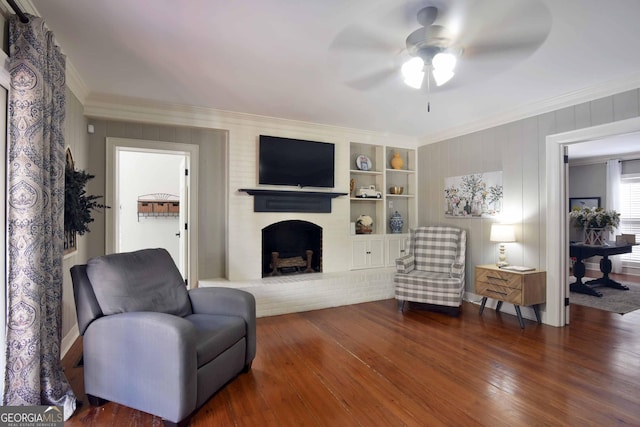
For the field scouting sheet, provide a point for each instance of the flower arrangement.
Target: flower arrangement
(594, 218)
(363, 224)
(451, 194)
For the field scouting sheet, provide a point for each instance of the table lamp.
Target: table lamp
(502, 233)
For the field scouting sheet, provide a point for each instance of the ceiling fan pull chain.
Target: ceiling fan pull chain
(428, 91)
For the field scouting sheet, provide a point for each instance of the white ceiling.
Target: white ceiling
(304, 60)
(613, 147)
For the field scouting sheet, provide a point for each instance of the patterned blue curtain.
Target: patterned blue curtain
(35, 195)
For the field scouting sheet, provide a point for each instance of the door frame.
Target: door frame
(113, 146)
(557, 210)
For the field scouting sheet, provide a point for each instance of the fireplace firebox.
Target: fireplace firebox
(291, 247)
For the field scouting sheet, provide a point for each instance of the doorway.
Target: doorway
(148, 188)
(557, 208)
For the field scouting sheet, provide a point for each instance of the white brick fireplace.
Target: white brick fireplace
(244, 260)
(337, 284)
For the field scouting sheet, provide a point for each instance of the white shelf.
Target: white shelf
(407, 171)
(361, 172)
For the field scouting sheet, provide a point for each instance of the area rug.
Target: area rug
(613, 300)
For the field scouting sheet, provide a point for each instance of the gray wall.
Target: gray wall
(587, 181)
(518, 149)
(631, 166)
(212, 202)
(75, 134)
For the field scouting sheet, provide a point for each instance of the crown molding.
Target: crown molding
(568, 99)
(145, 111)
(75, 83)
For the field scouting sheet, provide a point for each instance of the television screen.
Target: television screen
(285, 161)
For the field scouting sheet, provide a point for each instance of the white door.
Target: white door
(183, 219)
(183, 239)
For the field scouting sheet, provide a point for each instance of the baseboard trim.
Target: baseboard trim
(68, 340)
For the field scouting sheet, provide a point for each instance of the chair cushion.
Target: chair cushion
(435, 248)
(215, 334)
(429, 287)
(145, 280)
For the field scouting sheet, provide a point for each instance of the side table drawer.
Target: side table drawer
(499, 278)
(501, 293)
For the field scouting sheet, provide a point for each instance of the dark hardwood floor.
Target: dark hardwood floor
(367, 364)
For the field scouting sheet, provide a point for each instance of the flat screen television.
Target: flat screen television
(286, 161)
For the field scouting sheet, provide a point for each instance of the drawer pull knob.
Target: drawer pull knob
(496, 292)
(497, 278)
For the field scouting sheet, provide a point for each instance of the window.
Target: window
(630, 215)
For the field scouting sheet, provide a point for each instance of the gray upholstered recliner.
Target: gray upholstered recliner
(433, 271)
(151, 344)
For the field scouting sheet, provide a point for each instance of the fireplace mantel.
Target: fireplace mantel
(291, 201)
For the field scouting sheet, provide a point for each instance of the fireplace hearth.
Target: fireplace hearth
(291, 247)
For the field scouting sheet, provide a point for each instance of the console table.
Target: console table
(581, 251)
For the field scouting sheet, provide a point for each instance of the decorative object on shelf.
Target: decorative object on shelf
(502, 233)
(595, 223)
(352, 186)
(396, 190)
(396, 222)
(364, 163)
(474, 196)
(364, 224)
(77, 203)
(369, 192)
(396, 161)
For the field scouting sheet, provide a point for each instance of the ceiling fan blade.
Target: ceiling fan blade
(524, 44)
(372, 80)
(523, 25)
(357, 38)
(432, 36)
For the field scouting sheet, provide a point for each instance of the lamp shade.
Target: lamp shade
(502, 233)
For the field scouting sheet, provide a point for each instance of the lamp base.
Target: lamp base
(502, 257)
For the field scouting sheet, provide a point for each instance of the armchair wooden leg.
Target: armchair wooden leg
(401, 305)
(246, 368)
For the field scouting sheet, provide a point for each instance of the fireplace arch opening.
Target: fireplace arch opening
(291, 247)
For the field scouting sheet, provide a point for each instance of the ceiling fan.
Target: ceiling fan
(466, 39)
(430, 50)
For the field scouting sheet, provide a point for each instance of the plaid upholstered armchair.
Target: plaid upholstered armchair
(433, 271)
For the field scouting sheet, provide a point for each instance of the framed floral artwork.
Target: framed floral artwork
(476, 195)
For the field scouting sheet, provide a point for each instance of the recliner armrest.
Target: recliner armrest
(405, 264)
(144, 360)
(229, 302)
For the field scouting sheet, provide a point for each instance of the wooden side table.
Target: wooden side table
(518, 288)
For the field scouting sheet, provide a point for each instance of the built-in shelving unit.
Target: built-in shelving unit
(382, 247)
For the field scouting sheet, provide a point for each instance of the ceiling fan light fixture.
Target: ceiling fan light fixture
(443, 66)
(442, 76)
(413, 72)
(444, 61)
